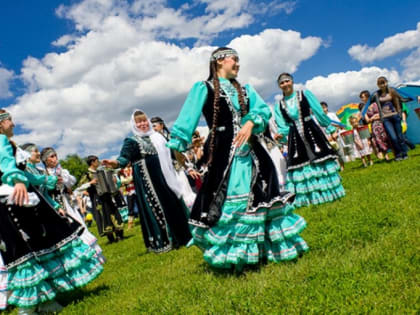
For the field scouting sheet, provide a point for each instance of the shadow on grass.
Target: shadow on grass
(80, 294)
(242, 271)
(144, 253)
(126, 237)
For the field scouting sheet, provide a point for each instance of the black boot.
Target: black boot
(119, 234)
(111, 237)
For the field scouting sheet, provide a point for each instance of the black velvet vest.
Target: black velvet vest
(307, 144)
(265, 187)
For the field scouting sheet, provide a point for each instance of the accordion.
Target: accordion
(105, 182)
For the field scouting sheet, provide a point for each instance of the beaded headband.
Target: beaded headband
(4, 116)
(223, 54)
(156, 120)
(47, 153)
(285, 77)
(28, 147)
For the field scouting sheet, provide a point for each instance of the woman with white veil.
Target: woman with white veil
(163, 214)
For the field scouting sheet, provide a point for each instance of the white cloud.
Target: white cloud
(80, 100)
(412, 65)
(5, 77)
(264, 56)
(272, 7)
(154, 18)
(389, 46)
(338, 89)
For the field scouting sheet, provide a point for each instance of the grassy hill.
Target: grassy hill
(363, 258)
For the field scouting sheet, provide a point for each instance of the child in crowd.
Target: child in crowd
(361, 145)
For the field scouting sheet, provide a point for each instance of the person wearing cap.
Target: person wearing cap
(240, 217)
(312, 168)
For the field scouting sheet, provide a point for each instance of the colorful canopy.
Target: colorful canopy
(346, 111)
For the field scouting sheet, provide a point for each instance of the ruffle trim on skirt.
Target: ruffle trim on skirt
(315, 183)
(235, 212)
(242, 238)
(39, 279)
(124, 214)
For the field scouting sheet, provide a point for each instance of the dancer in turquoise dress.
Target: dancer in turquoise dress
(41, 252)
(240, 216)
(312, 167)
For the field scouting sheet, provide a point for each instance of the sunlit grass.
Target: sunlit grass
(363, 258)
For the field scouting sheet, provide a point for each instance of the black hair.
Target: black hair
(282, 74)
(90, 159)
(157, 119)
(382, 78)
(215, 80)
(364, 92)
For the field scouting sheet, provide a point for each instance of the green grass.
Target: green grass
(363, 258)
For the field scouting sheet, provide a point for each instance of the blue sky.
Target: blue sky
(83, 73)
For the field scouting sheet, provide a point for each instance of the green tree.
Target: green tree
(75, 165)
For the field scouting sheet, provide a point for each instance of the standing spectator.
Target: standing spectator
(379, 136)
(361, 145)
(332, 133)
(128, 181)
(105, 211)
(390, 112)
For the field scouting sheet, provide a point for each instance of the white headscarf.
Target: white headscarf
(164, 154)
(136, 131)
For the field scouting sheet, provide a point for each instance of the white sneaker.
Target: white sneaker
(50, 307)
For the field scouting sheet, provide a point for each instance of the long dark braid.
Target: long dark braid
(244, 109)
(216, 108)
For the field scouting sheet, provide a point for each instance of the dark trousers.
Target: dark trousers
(131, 202)
(108, 218)
(393, 129)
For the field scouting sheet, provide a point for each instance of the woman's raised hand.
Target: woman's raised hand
(243, 134)
(20, 194)
(110, 163)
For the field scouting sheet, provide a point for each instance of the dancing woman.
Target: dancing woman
(312, 167)
(163, 214)
(188, 195)
(239, 217)
(62, 191)
(45, 183)
(41, 253)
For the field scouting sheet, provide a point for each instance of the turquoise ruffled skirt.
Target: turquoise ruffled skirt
(315, 183)
(240, 238)
(39, 279)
